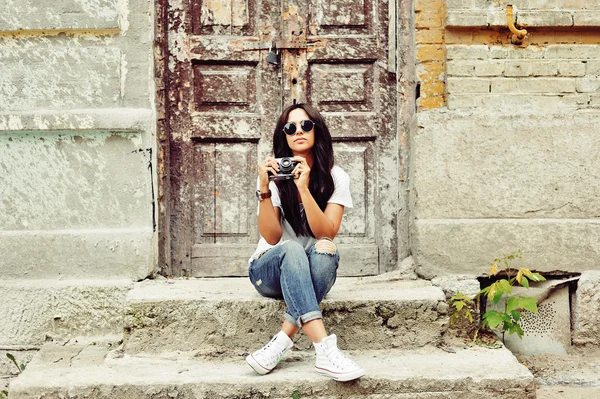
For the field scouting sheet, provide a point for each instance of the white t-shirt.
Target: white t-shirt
(341, 195)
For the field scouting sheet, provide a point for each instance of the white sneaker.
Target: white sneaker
(332, 363)
(266, 358)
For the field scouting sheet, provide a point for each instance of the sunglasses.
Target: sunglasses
(306, 125)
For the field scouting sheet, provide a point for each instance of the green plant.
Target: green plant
(295, 395)
(21, 368)
(501, 290)
(3, 394)
(462, 307)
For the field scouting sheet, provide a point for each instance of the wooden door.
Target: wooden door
(223, 101)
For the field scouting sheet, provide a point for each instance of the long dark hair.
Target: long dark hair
(321, 183)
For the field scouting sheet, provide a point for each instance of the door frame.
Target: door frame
(161, 81)
(406, 109)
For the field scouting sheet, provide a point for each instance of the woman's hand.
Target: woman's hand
(268, 165)
(301, 173)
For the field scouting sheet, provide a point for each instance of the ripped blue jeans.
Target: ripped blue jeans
(301, 278)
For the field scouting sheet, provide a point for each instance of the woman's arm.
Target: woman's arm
(268, 221)
(269, 225)
(322, 223)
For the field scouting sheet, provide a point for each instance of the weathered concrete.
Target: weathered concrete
(567, 391)
(469, 165)
(486, 183)
(405, 271)
(469, 246)
(576, 374)
(228, 315)
(82, 200)
(65, 14)
(4, 381)
(7, 367)
(453, 284)
(76, 129)
(129, 121)
(586, 329)
(36, 310)
(69, 180)
(98, 53)
(101, 253)
(31, 79)
(424, 374)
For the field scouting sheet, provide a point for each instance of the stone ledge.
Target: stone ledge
(548, 244)
(121, 119)
(227, 314)
(35, 310)
(426, 373)
(96, 253)
(478, 18)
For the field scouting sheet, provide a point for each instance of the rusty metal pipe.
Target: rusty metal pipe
(518, 34)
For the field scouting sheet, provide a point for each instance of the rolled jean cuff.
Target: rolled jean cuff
(306, 317)
(288, 317)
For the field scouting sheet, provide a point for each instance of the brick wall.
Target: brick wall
(552, 76)
(465, 58)
(486, 13)
(431, 52)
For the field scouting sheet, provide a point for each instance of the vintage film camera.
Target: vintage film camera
(286, 167)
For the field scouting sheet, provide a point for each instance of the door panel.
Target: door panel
(356, 158)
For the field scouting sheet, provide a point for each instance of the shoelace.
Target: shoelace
(338, 359)
(273, 355)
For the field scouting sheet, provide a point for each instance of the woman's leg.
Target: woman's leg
(284, 270)
(324, 260)
(330, 361)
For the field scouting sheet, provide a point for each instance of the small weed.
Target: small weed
(295, 395)
(21, 368)
(3, 394)
(500, 290)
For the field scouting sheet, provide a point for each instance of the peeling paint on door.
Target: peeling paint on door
(223, 101)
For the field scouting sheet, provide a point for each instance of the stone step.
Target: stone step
(93, 372)
(227, 315)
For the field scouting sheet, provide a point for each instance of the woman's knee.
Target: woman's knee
(324, 260)
(325, 246)
(292, 248)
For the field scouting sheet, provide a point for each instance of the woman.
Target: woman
(296, 258)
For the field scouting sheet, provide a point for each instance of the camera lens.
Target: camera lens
(286, 165)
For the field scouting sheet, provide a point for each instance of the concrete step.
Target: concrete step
(575, 374)
(93, 372)
(227, 315)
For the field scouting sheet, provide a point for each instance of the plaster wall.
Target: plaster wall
(76, 139)
(77, 156)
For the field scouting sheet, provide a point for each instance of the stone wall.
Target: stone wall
(505, 157)
(77, 126)
(559, 76)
